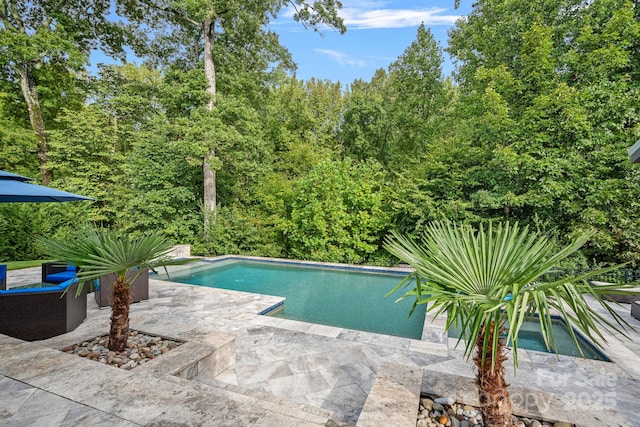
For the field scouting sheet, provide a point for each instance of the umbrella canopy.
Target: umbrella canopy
(14, 188)
(12, 176)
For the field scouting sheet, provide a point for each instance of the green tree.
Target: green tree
(239, 24)
(548, 92)
(366, 128)
(490, 281)
(43, 40)
(415, 96)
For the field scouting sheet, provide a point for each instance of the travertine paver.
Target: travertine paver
(22, 404)
(392, 399)
(286, 372)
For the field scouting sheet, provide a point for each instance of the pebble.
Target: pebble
(140, 349)
(445, 412)
(427, 403)
(444, 401)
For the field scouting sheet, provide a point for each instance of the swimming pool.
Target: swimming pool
(346, 297)
(530, 338)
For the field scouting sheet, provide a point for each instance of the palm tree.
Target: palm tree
(487, 282)
(101, 252)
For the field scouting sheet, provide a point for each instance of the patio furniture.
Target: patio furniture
(43, 310)
(139, 287)
(635, 309)
(57, 272)
(3, 276)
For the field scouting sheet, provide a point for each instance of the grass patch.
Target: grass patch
(16, 265)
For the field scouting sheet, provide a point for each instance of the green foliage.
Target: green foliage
(300, 122)
(366, 128)
(22, 223)
(101, 252)
(550, 114)
(488, 282)
(19, 223)
(338, 212)
(16, 144)
(238, 231)
(164, 185)
(85, 154)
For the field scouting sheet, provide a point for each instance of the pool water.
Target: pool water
(345, 298)
(530, 338)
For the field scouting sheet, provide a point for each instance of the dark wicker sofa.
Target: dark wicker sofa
(42, 311)
(139, 288)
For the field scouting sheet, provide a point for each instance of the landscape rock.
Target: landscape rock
(445, 412)
(444, 401)
(138, 350)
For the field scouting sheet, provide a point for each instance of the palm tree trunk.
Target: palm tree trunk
(120, 303)
(495, 402)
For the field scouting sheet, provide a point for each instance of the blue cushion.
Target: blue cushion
(49, 288)
(71, 267)
(61, 276)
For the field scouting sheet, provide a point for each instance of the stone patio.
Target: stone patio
(280, 372)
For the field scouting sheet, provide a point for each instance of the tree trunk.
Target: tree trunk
(210, 74)
(30, 94)
(120, 304)
(495, 402)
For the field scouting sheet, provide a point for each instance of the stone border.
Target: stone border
(193, 358)
(394, 397)
(207, 356)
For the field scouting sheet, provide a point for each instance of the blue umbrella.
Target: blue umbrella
(15, 188)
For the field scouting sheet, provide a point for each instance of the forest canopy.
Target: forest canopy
(533, 126)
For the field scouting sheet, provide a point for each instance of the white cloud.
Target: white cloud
(370, 14)
(342, 58)
(360, 18)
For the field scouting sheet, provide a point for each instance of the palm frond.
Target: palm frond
(492, 276)
(101, 252)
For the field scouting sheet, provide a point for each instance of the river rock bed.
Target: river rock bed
(445, 412)
(140, 349)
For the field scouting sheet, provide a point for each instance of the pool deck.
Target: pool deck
(277, 372)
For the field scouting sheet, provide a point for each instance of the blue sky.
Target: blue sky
(378, 31)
